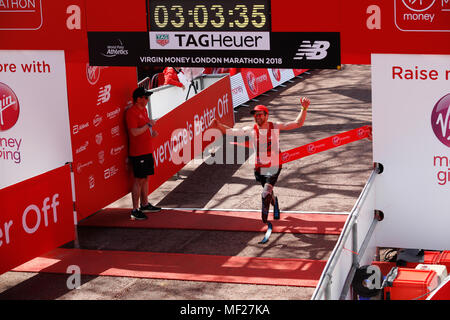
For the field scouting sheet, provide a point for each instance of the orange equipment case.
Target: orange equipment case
(412, 284)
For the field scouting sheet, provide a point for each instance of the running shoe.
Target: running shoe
(137, 214)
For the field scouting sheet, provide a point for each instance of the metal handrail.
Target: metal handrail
(325, 279)
(144, 82)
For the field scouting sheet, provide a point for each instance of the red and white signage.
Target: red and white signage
(256, 81)
(325, 144)
(365, 26)
(423, 15)
(34, 118)
(411, 131)
(36, 216)
(183, 132)
(98, 133)
(250, 83)
(279, 76)
(21, 15)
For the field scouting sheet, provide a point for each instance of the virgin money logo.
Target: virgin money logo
(251, 81)
(418, 5)
(276, 74)
(92, 74)
(311, 148)
(336, 141)
(440, 120)
(9, 107)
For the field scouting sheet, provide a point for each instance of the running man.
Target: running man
(265, 138)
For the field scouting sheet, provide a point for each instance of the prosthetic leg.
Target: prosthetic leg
(266, 199)
(276, 207)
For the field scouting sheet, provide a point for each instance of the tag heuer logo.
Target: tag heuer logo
(162, 39)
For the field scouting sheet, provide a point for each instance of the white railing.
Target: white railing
(354, 246)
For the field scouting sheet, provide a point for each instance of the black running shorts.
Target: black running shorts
(267, 175)
(143, 166)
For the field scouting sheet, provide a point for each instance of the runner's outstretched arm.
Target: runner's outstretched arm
(231, 131)
(299, 121)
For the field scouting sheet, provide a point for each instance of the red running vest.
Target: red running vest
(264, 157)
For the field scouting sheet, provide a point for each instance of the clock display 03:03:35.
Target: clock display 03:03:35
(230, 15)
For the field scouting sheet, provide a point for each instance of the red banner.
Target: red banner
(98, 133)
(256, 81)
(184, 129)
(298, 72)
(365, 26)
(320, 145)
(37, 216)
(325, 144)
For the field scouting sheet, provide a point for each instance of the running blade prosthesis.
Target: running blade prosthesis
(276, 210)
(268, 233)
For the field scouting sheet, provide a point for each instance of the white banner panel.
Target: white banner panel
(182, 40)
(411, 138)
(238, 90)
(34, 119)
(279, 76)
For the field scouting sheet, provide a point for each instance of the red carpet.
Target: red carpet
(220, 220)
(175, 266)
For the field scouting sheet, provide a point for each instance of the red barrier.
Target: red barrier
(184, 126)
(256, 81)
(37, 216)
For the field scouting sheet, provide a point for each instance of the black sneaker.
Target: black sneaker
(149, 208)
(138, 215)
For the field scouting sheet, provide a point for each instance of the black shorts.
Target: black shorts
(143, 166)
(267, 175)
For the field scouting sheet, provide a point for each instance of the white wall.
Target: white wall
(415, 203)
(42, 130)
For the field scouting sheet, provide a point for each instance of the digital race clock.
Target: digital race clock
(209, 15)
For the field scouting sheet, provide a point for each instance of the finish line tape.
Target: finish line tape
(320, 145)
(325, 144)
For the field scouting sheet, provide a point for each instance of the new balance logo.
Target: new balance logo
(315, 51)
(104, 94)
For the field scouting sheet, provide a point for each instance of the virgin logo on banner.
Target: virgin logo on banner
(279, 76)
(256, 81)
(440, 120)
(37, 216)
(423, 15)
(34, 117)
(183, 132)
(9, 107)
